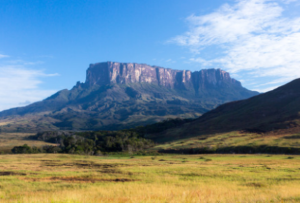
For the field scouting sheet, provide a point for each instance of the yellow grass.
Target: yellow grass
(170, 178)
(10, 140)
(234, 139)
(4, 123)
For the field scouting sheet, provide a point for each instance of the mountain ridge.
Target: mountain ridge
(122, 95)
(274, 112)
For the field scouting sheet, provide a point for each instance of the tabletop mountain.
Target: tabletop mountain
(124, 95)
(275, 113)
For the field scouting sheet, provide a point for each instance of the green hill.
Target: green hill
(270, 121)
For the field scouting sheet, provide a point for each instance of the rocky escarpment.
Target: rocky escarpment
(125, 73)
(124, 95)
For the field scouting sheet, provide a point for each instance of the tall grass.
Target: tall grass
(169, 178)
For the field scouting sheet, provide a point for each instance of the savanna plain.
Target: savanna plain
(166, 178)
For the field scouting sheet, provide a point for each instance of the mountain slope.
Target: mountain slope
(124, 95)
(277, 111)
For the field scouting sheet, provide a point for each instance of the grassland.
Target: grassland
(10, 140)
(169, 178)
(237, 142)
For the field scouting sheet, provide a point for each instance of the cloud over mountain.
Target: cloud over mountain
(19, 83)
(254, 38)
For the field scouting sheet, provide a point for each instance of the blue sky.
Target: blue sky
(47, 45)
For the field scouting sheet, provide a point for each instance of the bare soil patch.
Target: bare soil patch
(78, 179)
(256, 185)
(11, 173)
(82, 164)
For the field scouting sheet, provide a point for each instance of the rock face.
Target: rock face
(126, 73)
(124, 95)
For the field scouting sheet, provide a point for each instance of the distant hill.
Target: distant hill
(124, 95)
(273, 113)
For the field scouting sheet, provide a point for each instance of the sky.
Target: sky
(47, 45)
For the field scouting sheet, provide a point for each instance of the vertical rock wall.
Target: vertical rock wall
(124, 73)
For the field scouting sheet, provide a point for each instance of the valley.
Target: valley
(148, 101)
(241, 151)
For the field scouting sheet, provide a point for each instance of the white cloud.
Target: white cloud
(170, 61)
(24, 63)
(288, 1)
(265, 89)
(20, 85)
(3, 56)
(255, 37)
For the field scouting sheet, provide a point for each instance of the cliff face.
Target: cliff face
(159, 93)
(124, 73)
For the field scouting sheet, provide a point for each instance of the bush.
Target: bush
(25, 149)
(51, 149)
(90, 142)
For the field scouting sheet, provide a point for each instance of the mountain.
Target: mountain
(273, 113)
(124, 95)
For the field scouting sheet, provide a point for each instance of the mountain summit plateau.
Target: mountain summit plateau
(128, 73)
(124, 95)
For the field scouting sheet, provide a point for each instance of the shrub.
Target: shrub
(51, 149)
(25, 149)
(98, 153)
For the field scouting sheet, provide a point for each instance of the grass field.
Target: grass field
(10, 140)
(168, 178)
(219, 141)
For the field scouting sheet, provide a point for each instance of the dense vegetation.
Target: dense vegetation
(98, 142)
(90, 142)
(161, 126)
(25, 149)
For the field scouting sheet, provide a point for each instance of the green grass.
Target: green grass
(169, 178)
(232, 140)
(10, 140)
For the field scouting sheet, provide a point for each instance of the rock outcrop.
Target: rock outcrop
(125, 73)
(125, 95)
